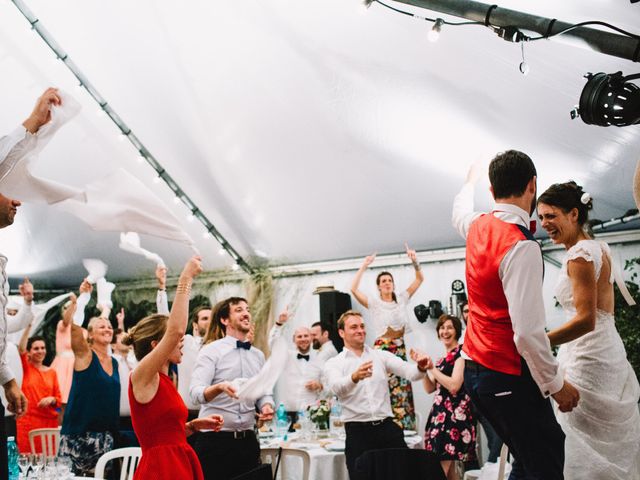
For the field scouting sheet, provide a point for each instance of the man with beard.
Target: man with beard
(509, 369)
(234, 449)
(322, 342)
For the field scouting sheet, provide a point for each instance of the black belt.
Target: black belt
(239, 435)
(475, 366)
(370, 423)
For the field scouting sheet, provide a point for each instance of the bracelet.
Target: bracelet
(183, 288)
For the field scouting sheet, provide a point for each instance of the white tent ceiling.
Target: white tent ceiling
(304, 131)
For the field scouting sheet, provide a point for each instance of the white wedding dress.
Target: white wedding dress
(603, 432)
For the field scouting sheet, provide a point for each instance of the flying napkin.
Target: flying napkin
(130, 242)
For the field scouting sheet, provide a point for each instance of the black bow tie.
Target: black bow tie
(245, 345)
(306, 357)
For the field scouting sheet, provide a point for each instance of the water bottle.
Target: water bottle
(12, 456)
(282, 421)
(335, 422)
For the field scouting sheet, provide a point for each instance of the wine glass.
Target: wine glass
(23, 464)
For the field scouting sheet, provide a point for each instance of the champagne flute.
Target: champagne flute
(23, 464)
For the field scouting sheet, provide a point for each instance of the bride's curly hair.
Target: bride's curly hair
(567, 196)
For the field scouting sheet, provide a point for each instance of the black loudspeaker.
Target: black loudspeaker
(332, 305)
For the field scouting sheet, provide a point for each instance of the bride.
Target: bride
(603, 432)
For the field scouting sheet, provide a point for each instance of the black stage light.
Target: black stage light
(609, 99)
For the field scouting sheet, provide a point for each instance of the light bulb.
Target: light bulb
(524, 68)
(235, 267)
(434, 33)
(190, 217)
(221, 251)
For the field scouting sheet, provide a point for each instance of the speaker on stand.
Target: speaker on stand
(333, 304)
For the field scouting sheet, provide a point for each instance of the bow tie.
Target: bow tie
(533, 226)
(306, 357)
(245, 345)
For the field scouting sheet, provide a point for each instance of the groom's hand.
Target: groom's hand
(567, 397)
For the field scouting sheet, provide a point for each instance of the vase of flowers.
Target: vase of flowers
(319, 414)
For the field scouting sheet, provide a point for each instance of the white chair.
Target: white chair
(270, 455)
(475, 474)
(130, 459)
(49, 440)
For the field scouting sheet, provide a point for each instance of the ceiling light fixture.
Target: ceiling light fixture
(609, 99)
(434, 33)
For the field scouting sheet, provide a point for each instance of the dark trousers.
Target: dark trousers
(224, 457)
(365, 436)
(522, 418)
(4, 462)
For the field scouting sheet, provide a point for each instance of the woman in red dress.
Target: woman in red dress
(40, 386)
(158, 413)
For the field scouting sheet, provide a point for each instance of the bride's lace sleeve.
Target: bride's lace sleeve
(589, 251)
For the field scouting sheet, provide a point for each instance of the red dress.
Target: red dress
(160, 427)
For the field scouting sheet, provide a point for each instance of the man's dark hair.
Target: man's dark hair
(34, 339)
(510, 172)
(324, 327)
(222, 310)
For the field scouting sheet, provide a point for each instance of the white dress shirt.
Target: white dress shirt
(190, 350)
(326, 351)
(367, 400)
(297, 372)
(12, 148)
(222, 361)
(521, 272)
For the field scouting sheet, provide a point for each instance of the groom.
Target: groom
(509, 369)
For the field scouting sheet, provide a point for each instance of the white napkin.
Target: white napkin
(130, 242)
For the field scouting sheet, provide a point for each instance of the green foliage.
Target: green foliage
(627, 318)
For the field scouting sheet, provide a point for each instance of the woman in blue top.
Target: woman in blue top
(92, 413)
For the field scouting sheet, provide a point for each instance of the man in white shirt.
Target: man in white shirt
(300, 383)
(200, 320)
(13, 147)
(358, 376)
(234, 449)
(509, 370)
(322, 342)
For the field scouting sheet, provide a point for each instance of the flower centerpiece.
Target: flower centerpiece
(319, 414)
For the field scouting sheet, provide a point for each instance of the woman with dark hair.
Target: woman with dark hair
(158, 413)
(390, 322)
(40, 386)
(450, 431)
(603, 432)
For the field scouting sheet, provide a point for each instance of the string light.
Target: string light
(434, 33)
(126, 132)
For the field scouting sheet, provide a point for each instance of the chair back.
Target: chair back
(394, 463)
(504, 452)
(270, 455)
(49, 439)
(130, 458)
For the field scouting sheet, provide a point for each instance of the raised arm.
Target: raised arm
(355, 285)
(81, 303)
(145, 377)
(24, 317)
(22, 346)
(583, 282)
(278, 327)
(463, 215)
(79, 344)
(419, 276)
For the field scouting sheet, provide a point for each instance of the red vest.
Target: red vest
(489, 336)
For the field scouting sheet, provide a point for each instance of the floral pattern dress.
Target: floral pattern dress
(450, 430)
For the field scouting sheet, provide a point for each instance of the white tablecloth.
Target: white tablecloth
(324, 464)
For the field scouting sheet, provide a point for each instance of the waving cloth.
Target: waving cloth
(262, 384)
(116, 202)
(130, 242)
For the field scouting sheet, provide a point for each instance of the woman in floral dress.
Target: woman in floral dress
(450, 431)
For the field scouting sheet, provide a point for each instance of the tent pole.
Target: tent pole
(601, 41)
